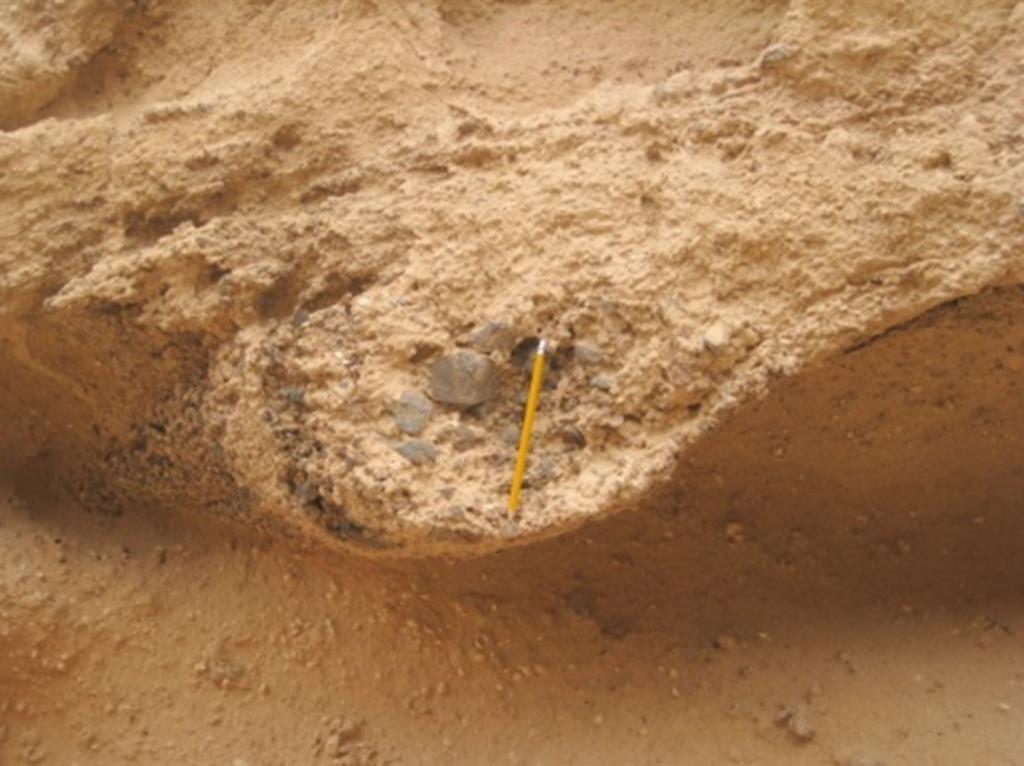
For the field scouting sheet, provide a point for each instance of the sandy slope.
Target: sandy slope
(845, 554)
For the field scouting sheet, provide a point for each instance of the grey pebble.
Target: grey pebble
(294, 395)
(603, 382)
(412, 412)
(463, 378)
(417, 451)
(587, 353)
(493, 336)
(510, 435)
(465, 437)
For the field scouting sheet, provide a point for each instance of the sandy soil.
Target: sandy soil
(832, 577)
(773, 513)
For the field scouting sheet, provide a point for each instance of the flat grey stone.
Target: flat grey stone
(493, 336)
(587, 353)
(417, 451)
(463, 378)
(412, 412)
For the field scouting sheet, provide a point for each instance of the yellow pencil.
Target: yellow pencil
(524, 439)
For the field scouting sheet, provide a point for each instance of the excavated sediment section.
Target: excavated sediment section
(221, 270)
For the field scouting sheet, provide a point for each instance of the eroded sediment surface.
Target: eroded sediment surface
(235, 234)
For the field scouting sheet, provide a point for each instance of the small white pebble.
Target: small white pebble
(716, 337)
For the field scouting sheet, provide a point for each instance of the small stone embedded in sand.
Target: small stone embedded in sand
(464, 437)
(493, 336)
(510, 435)
(306, 492)
(938, 159)
(294, 395)
(797, 721)
(412, 412)
(775, 55)
(587, 353)
(572, 436)
(735, 532)
(603, 382)
(417, 451)
(716, 337)
(726, 643)
(463, 378)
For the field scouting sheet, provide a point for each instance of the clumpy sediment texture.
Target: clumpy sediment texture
(222, 268)
(272, 274)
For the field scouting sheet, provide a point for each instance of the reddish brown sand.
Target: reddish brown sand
(832, 577)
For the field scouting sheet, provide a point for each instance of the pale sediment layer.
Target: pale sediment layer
(239, 241)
